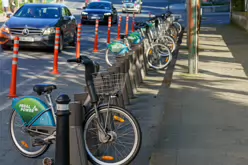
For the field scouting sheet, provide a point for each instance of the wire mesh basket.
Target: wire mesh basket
(107, 83)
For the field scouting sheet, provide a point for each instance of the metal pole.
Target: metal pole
(62, 152)
(193, 37)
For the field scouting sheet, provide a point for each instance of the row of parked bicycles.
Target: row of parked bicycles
(159, 35)
(112, 135)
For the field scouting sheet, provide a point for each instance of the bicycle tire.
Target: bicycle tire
(18, 147)
(178, 27)
(174, 45)
(91, 114)
(173, 32)
(169, 55)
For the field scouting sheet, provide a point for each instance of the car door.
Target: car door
(72, 24)
(65, 25)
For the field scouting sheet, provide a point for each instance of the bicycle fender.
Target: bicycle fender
(32, 109)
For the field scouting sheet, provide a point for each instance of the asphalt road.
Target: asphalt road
(35, 66)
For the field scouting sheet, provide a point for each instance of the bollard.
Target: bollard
(79, 28)
(138, 64)
(141, 59)
(121, 64)
(135, 69)
(127, 19)
(119, 28)
(128, 81)
(109, 32)
(62, 152)
(56, 52)
(12, 92)
(78, 154)
(96, 37)
(133, 22)
(150, 15)
(131, 72)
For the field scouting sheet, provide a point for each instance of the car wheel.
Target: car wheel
(73, 43)
(61, 42)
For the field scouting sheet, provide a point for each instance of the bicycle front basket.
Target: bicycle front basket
(107, 83)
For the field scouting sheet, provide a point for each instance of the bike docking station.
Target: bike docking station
(70, 146)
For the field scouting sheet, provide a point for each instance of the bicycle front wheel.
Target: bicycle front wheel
(124, 140)
(158, 56)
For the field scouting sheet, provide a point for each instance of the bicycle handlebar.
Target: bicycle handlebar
(91, 67)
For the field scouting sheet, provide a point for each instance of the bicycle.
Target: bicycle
(39, 120)
(158, 55)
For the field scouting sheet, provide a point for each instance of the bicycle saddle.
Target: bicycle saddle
(44, 88)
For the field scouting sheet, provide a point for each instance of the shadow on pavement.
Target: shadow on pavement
(205, 116)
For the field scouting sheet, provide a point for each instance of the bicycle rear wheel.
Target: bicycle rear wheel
(120, 125)
(23, 140)
(158, 56)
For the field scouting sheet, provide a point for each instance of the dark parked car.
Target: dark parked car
(35, 25)
(101, 11)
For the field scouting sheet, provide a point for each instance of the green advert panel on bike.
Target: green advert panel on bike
(29, 108)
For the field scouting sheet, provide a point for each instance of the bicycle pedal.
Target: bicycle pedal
(39, 142)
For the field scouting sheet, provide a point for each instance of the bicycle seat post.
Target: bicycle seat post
(49, 101)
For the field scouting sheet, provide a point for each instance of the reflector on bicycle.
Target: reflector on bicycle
(24, 144)
(119, 119)
(108, 158)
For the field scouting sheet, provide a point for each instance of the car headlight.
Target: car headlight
(107, 13)
(84, 13)
(49, 31)
(4, 28)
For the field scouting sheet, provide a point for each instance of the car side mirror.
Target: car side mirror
(9, 15)
(66, 18)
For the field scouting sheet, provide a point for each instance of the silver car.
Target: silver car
(132, 7)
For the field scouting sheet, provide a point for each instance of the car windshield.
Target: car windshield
(99, 5)
(38, 12)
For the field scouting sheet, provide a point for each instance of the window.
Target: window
(99, 5)
(68, 13)
(38, 12)
(63, 12)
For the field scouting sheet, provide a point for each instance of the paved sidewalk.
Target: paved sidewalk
(206, 116)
